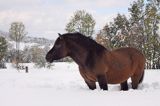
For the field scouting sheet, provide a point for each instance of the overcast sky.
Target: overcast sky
(46, 18)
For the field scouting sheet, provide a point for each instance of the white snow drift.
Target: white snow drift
(63, 86)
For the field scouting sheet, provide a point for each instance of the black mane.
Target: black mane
(92, 47)
(86, 42)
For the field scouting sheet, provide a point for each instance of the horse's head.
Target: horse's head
(58, 51)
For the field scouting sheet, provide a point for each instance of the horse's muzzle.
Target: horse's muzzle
(48, 58)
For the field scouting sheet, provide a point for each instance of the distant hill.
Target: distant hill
(28, 39)
(4, 34)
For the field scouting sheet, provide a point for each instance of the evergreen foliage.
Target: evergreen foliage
(3, 47)
(140, 30)
(3, 51)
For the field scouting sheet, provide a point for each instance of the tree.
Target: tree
(17, 33)
(104, 37)
(101, 39)
(137, 12)
(139, 31)
(3, 47)
(152, 20)
(3, 51)
(82, 22)
(27, 55)
(38, 57)
(121, 24)
(115, 33)
(146, 17)
(121, 28)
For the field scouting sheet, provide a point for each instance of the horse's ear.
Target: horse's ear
(60, 36)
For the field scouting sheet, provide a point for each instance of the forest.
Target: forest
(140, 29)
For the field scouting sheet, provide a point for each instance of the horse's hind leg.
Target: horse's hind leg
(136, 80)
(124, 86)
(102, 82)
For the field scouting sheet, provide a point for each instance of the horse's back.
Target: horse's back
(130, 52)
(134, 55)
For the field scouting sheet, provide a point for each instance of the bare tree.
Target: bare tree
(17, 33)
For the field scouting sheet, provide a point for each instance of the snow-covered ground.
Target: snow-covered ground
(23, 45)
(63, 86)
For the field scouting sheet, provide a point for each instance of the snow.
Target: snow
(23, 44)
(63, 86)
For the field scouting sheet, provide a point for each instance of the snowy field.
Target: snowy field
(63, 86)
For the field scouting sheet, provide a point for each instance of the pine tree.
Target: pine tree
(102, 39)
(139, 31)
(145, 18)
(117, 31)
(3, 51)
(152, 21)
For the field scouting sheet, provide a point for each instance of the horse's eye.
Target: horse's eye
(57, 46)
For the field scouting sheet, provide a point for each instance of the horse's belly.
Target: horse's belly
(118, 77)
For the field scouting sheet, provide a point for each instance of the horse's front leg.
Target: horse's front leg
(91, 85)
(102, 80)
(124, 86)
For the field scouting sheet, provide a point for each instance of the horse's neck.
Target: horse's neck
(78, 59)
(77, 53)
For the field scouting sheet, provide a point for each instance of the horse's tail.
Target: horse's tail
(141, 79)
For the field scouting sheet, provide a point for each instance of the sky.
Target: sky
(46, 18)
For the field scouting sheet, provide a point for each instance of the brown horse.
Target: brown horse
(96, 63)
